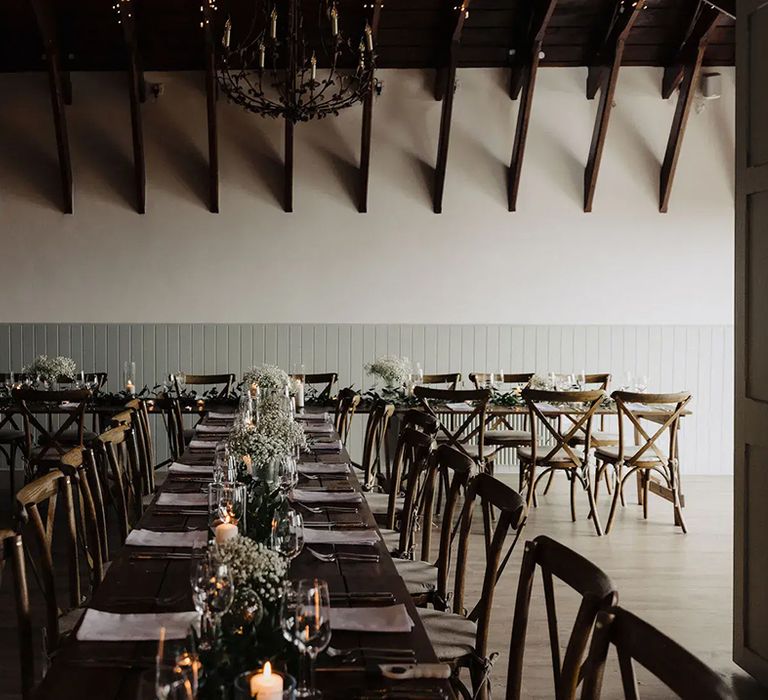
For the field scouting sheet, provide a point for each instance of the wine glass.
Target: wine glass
(287, 473)
(223, 465)
(287, 533)
(165, 682)
(231, 503)
(181, 381)
(306, 622)
(212, 594)
(641, 383)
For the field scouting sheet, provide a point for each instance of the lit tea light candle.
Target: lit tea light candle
(130, 387)
(267, 685)
(225, 532)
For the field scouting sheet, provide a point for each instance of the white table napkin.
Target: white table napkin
(202, 445)
(323, 468)
(213, 415)
(150, 538)
(388, 618)
(313, 417)
(190, 469)
(325, 445)
(319, 536)
(213, 429)
(326, 496)
(99, 626)
(183, 500)
(460, 406)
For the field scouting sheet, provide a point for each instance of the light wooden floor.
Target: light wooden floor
(680, 583)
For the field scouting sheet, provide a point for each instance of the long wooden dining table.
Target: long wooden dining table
(111, 670)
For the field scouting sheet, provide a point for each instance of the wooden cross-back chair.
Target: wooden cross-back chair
(686, 676)
(408, 450)
(450, 379)
(347, 402)
(454, 468)
(52, 442)
(467, 432)
(12, 549)
(482, 380)
(46, 493)
(556, 561)
(136, 415)
(460, 638)
(117, 452)
(373, 442)
(12, 440)
(323, 384)
(226, 381)
(560, 454)
(641, 451)
(170, 409)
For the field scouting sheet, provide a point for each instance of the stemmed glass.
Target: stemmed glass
(165, 681)
(223, 466)
(287, 474)
(287, 533)
(212, 594)
(306, 622)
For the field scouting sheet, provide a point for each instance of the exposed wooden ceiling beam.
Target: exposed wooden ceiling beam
(128, 24)
(691, 56)
(449, 88)
(524, 76)
(211, 94)
(703, 20)
(47, 25)
(367, 127)
(603, 75)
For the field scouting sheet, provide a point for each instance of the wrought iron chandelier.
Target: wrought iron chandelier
(283, 63)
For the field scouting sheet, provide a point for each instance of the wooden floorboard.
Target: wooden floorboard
(680, 583)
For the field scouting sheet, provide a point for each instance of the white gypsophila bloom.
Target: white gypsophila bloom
(266, 377)
(393, 370)
(275, 436)
(254, 566)
(51, 368)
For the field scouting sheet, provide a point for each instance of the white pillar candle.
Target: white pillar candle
(130, 388)
(267, 685)
(225, 532)
(300, 395)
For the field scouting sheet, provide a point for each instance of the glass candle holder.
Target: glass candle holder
(247, 685)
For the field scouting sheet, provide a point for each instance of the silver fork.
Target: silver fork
(342, 556)
(335, 653)
(317, 510)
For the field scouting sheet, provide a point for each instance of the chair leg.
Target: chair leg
(618, 473)
(572, 477)
(531, 484)
(607, 481)
(678, 508)
(549, 482)
(593, 511)
(646, 481)
(12, 475)
(614, 502)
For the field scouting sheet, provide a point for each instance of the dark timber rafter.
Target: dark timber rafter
(603, 76)
(524, 77)
(135, 92)
(684, 72)
(365, 138)
(461, 12)
(47, 25)
(210, 99)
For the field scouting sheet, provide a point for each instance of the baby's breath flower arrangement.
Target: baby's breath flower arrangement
(391, 369)
(266, 377)
(275, 436)
(50, 369)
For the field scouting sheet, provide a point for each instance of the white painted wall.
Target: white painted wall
(549, 263)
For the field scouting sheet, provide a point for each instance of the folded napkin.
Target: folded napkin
(388, 618)
(150, 538)
(69, 404)
(213, 415)
(183, 500)
(201, 445)
(313, 417)
(319, 428)
(321, 468)
(191, 470)
(326, 496)
(214, 429)
(100, 626)
(318, 536)
(460, 406)
(325, 445)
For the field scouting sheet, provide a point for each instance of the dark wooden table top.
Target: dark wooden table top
(157, 585)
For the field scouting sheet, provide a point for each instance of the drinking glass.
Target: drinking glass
(287, 473)
(223, 465)
(231, 505)
(165, 682)
(212, 594)
(641, 383)
(9, 382)
(419, 373)
(305, 621)
(181, 381)
(287, 533)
